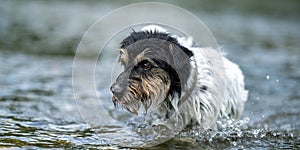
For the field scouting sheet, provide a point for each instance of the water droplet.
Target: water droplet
(277, 81)
(262, 135)
(257, 98)
(263, 116)
(266, 126)
(247, 119)
(255, 132)
(234, 143)
(268, 77)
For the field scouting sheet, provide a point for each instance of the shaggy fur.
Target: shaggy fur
(166, 78)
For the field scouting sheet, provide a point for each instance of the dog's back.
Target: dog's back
(218, 91)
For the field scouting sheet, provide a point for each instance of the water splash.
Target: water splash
(238, 134)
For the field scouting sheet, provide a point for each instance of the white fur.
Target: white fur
(225, 88)
(154, 28)
(225, 95)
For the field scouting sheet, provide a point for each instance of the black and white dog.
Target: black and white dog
(167, 75)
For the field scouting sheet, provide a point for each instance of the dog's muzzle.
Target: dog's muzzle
(119, 88)
(124, 97)
(117, 91)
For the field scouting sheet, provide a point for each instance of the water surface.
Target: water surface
(37, 108)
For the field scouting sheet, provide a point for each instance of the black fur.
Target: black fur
(166, 53)
(175, 86)
(136, 36)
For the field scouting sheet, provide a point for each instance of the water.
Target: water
(37, 108)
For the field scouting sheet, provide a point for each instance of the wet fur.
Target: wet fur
(164, 88)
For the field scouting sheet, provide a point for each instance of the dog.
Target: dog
(167, 75)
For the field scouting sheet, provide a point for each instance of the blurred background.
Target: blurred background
(55, 27)
(38, 40)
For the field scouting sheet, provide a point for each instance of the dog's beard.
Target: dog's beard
(147, 89)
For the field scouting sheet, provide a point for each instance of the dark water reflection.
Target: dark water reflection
(37, 109)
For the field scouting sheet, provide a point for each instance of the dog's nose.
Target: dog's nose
(116, 89)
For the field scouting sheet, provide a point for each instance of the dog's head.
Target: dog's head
(156, 67)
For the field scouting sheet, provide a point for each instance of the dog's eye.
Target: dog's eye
(145, 65)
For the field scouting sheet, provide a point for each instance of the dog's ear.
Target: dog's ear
(180, 61)
(123, 56)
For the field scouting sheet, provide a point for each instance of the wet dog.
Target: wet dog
(166, 75)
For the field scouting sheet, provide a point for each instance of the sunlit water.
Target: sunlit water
(37, 108)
